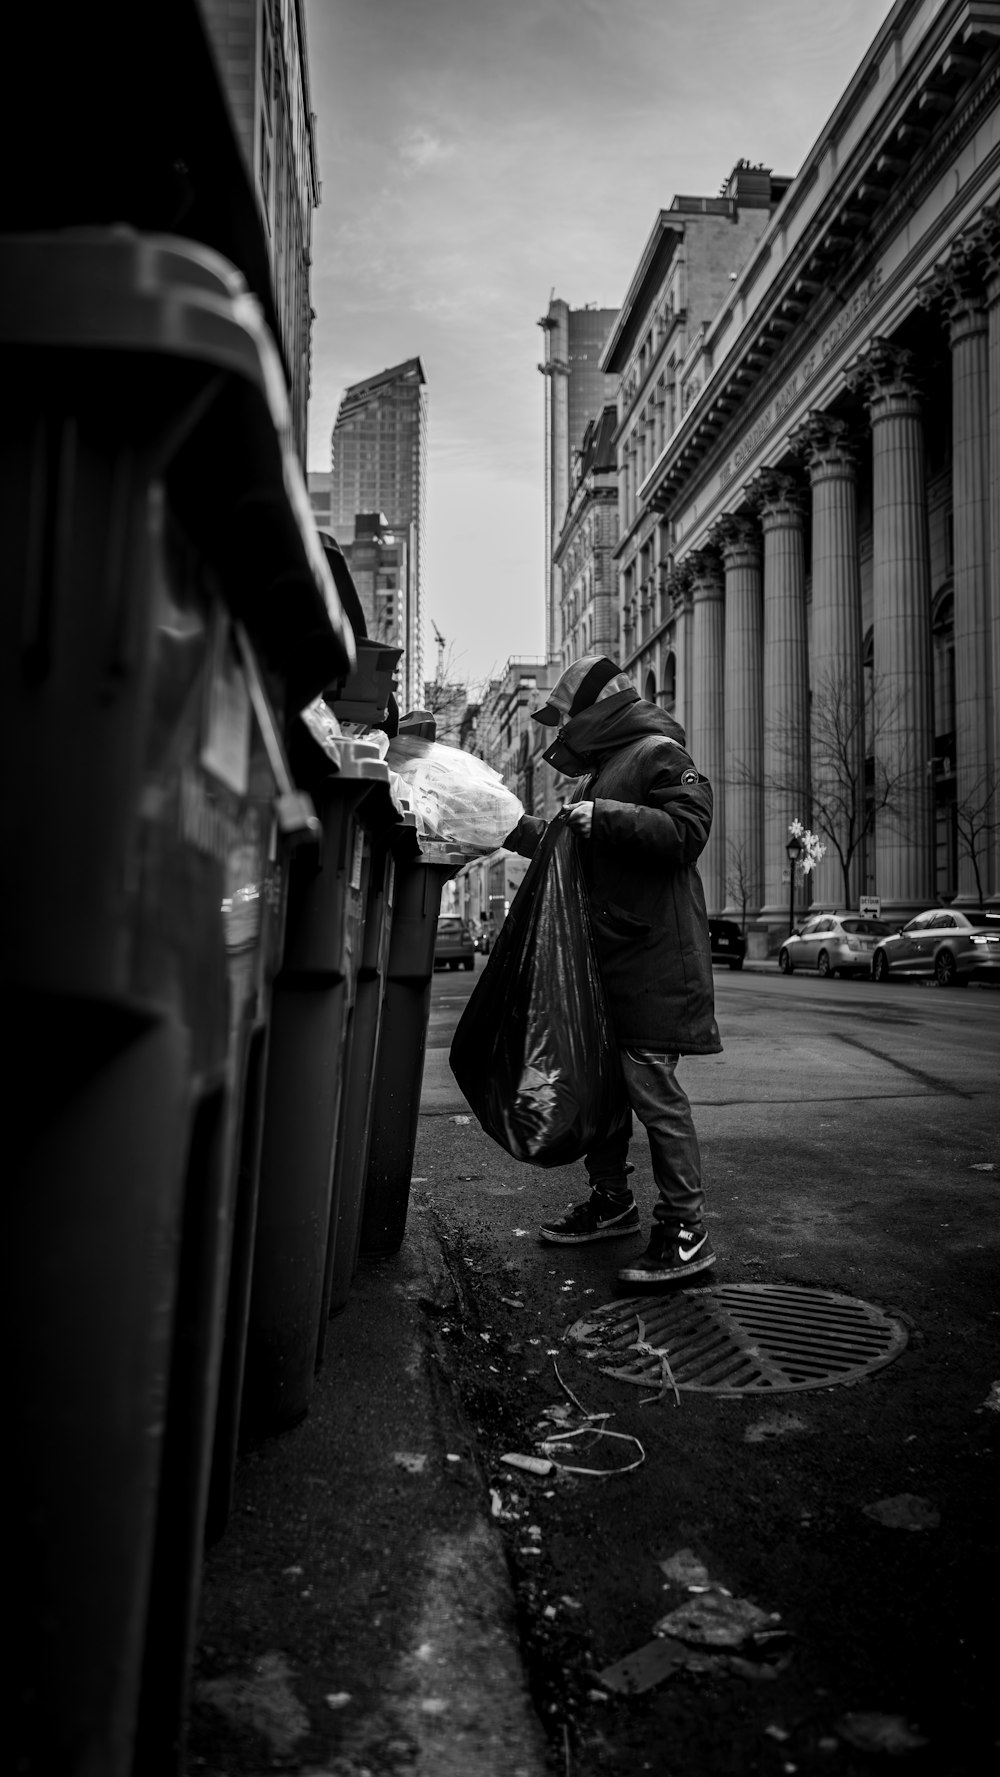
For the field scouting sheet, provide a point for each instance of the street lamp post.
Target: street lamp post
(793, 851)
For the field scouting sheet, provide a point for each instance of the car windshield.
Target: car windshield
(449, 925)
(866, 928)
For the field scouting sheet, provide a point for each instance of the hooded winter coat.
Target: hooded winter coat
(652, 819)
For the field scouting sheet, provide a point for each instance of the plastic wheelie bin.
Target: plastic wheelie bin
(393, 840)
(400, 1064)
(145, 826)
(312, 1004)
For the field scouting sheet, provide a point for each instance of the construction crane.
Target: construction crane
(439, 638)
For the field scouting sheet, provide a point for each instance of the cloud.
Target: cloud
(420, 148)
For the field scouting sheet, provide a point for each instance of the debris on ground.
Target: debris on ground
(774, 1425)
(667, 1382)
(714, 1619)
(645, 1667)
(992, 1401)
(594, 1431)
(904, 1511)
(410, 1460)
(869, 1731)
(264, 1702)
(532, 1465)
(685, 1569)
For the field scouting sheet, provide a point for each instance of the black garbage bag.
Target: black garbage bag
(534, 1052)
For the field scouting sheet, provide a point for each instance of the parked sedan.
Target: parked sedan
(453, 946)
(834, 944)
(728, 943)
(955, 945)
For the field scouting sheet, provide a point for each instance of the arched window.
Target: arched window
(649, 693)
(670, 682)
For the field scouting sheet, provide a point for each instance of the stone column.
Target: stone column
(738, 541)
(705, 737)
(836, 676)
(785, 679)
(903, 736)
(990, 243)
(958, 288)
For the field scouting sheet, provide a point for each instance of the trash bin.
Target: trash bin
(394, 841)
(400, 1063)
(131, 368)
(311, 1009)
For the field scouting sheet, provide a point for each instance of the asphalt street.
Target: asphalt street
(850, 1138)
(392, 1599)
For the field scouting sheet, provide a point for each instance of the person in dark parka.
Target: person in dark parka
(642, 816)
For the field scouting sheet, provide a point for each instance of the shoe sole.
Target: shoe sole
(548, 1238)
(675, 1275)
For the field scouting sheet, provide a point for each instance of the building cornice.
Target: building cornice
(667, 232)
(857, 216)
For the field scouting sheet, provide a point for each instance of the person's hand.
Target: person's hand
(581, 818)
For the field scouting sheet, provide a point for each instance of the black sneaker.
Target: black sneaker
(672, 1255)
(598, 1218)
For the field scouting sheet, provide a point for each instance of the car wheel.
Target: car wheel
(469, 962)
(946, 971)
(736, 962)
(785, 963)
(823, 965)
(880, 966)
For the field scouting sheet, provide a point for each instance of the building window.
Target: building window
(670, 682)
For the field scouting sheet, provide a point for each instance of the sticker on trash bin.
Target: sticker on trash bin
(226, 749)
(359, 852)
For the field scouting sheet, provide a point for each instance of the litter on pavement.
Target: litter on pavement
(532, 1465)
(713, 1619)
(409, 1460)
(645, 1667)
(685, 1569)
(904, 1511)
(872, 1732)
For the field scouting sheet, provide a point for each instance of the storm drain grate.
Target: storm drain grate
(742, 1338)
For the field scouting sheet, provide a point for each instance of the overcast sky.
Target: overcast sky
(477, 155)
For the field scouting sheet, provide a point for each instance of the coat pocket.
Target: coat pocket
(614, 922)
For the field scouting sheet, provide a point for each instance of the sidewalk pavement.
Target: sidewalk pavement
(357, 1617)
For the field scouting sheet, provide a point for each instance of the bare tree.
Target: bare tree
(859, 771)
(446, 696)
(976, 826)
(743, 883)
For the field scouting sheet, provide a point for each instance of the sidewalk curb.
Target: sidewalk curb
(358, 1615)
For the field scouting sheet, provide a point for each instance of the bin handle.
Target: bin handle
(297, 818)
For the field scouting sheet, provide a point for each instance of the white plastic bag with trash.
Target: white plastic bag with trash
(456, 796)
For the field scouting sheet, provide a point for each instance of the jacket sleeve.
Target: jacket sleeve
(670, 826)
(525, 836)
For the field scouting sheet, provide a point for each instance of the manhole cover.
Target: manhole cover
(742, 1338)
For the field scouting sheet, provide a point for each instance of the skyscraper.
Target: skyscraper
(575, 392)
(379, 464)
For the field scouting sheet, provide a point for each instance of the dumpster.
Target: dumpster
(311, 1011)
(393, 842)
(140, 896)
(400, 1063)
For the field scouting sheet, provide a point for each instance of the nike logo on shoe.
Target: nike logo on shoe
(684, 1254)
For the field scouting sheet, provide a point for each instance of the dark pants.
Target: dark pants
(662, 1106)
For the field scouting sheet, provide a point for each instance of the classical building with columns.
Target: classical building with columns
(689, 263)
(827, 617)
